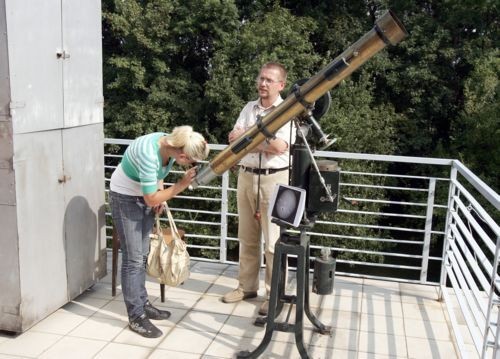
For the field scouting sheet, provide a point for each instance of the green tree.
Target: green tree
(276, 36)
(156, 59)
(476, 135)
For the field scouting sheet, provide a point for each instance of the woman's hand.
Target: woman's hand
(160, 208)
(157, 198)
(189, 176)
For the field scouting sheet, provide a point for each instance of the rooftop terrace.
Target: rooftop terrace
(416, 278)
(370, 319)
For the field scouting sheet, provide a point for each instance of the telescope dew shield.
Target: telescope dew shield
(318, 200)
(387, 30)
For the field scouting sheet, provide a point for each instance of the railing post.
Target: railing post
(447, 230)
(223, 217)
(493, 301)
(428, 229)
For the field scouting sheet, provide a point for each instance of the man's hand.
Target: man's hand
(235, 133)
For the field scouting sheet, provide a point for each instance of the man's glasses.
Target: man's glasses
(267, 81)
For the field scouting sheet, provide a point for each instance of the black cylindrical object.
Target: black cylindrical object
(324, 273)
(301, 167)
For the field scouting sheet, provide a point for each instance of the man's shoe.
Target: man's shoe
(237, 295)
(144, 327)
(155, 313)
(264, 308)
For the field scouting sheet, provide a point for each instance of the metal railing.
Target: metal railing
(409, 219)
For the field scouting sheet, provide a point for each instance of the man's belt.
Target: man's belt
(263, 171)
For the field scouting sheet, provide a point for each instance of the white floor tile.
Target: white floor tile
(59, 323)
(29, 344)
(374, 305)
(242, 327)
(226, 346)
(162, 354)
(348, 303)
(425, 348)
(99, 328)
(120, 351)
(113, 310)
(382, 324)
(189, 341)
(178, 299)
(383, 344)
(85, 305)
(205, 322)
(337, 319)
(429, 311)
(343, 339)
(427, 329)
(176, 315)
(74, 348)
(213, 304)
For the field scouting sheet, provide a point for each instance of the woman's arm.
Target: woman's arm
(158, 197)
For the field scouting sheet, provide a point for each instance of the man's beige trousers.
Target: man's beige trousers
(249, 229)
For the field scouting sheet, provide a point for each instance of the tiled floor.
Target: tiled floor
(370, 319)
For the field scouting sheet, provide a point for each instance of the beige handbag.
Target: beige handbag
(156, 247)
(168, 258)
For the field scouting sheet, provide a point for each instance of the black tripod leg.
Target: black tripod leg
(320, 327)
(281, 283)
(273, 303)
(299, 308)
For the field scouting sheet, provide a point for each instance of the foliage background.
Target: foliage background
(436, 94)
(171, 62)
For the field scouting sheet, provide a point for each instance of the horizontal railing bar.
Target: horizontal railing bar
(373, 264)
(207, 199)
(184, 210)
(467, 277)
(205, 236)
(478, 315)
(386, 214)
(479, 230)
(384, 158)
(392, 175)
(479, 209)
(385, 201)
(357, 185)
(364, 251)
(344, 224)
(178, 220)
(373, 239)
(479, 185)
(479, 256)
(468, 235)
(474, 331)
(202, 247)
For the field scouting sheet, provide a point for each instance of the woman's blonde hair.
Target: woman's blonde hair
(192, 143)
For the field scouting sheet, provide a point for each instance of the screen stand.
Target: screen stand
(299, 246)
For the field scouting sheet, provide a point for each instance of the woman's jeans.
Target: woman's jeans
(133, 221)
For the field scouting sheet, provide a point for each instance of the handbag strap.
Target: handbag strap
(158, 225)
(173, 227)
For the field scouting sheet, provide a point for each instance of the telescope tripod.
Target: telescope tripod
(298, 245)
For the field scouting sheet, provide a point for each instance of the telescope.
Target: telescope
(388, 30)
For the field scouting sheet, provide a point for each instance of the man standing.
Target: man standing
(260, 171)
